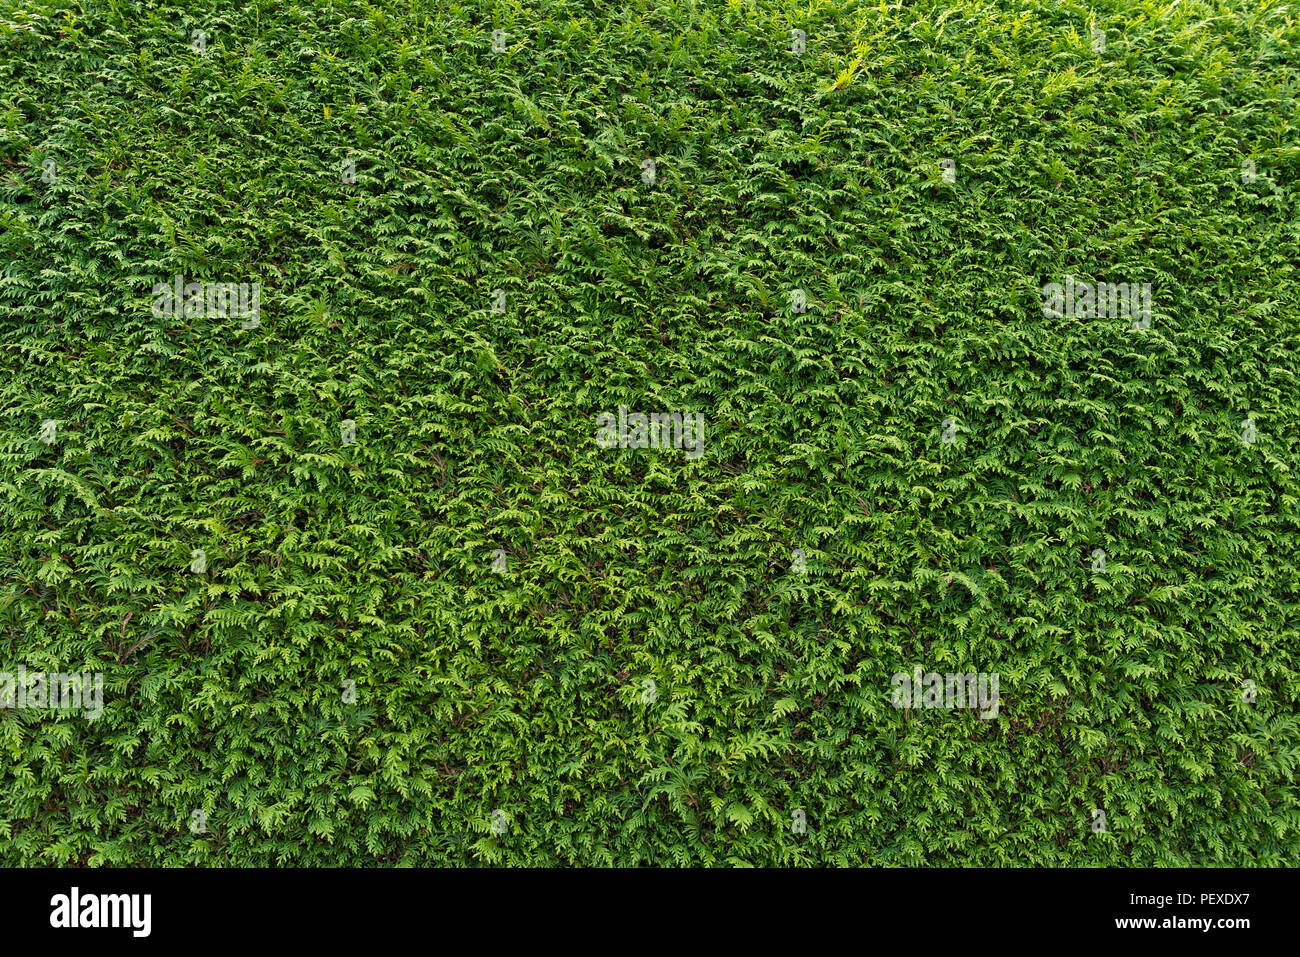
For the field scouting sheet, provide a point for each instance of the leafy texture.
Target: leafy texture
(648, 680)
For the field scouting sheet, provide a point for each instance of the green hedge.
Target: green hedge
(352, 678)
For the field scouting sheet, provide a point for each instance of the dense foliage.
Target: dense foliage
(641, 674)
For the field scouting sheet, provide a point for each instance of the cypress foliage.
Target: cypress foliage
(365, 589)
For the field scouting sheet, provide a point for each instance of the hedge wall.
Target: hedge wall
(365, 589)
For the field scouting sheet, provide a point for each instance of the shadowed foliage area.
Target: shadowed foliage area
(365, 589)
